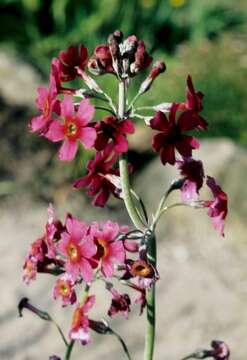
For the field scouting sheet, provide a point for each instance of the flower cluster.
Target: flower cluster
(81, 253)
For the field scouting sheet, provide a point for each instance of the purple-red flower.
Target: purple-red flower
(142, 58)
(220, 350)
(77, 248)
(111, 130)
(97, 182)
(193, 173)
(75, 57)
(217, 208)
(172, 135)
(109, 250)
(75, 128)
(103, 57)
(120, 304)
(194, 104)
(80, 323)
(64, 289)
(47, 104)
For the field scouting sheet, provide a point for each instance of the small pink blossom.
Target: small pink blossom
(29, 270)
(64, 289)
(53, 230)
(217, 208)
(75, 128)
(80, 322)
(78, 248)
(109, 250)
(47, 104)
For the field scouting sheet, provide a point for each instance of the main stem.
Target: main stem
(137, 221)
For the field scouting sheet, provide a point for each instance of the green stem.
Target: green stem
(125, 349)
(69, 350)
(150, 298)
(123, 167)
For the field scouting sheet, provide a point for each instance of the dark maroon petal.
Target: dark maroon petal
(83, 181)
(167, 154)
(159, 141)
(159, 122)
(95, 185)
(101, 141)
(102, 197)
(187, 121)
(173, 111)
(184, 145)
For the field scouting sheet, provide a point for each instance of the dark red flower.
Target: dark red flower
(217, 208)
(220, 350)
(98, 182)
(120, 304)
(101, 61)
(75, 56)
(194, 104)
(110, 129)
(193, 173)
(171, 135)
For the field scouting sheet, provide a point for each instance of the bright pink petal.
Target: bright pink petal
(110, 230)
(88, 249)
(117, 251)
(67, 107)
(87, 137)
(37, 123)
(55, 132)
(68, 150)
(76, 228)
(89, 303)
(86, 270)
(107, 268)
(127, 127)
(85, 112)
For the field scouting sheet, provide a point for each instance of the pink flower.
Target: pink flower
(193, 173)
(53, 231)
(217, 208)
(78, 248)
(73, 129)
(80, 322)
(110, 129)
(29, 270)
(64, 289)
(109, 250)
(47, 104)
(120, 304)
(97, 180)
(172, 136)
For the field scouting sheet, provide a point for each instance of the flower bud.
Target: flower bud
(24, 304)
(158, 68)
(101, 327)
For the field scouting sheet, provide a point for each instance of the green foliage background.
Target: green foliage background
(206, 38)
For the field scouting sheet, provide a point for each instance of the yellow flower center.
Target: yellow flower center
(46, 107)
(73, 252)
(71, 129)
(64, 288)
(141, 268)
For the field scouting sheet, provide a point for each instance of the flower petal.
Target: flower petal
(68, 150)
(55, 132)
(67, 107)
(87, 136)
(85, 112)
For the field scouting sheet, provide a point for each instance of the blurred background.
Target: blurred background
(203, 286)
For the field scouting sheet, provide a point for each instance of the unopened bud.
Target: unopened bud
(101, 327)
(24, 304)
(158, 68)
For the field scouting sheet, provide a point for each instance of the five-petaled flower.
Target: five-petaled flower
(75, 128)
(80, 323)
(97, 180)
(217, 208)
(109, 249)
(64, 289)
(171, 135)
(47, 103)
(77, 248)
(111, 130)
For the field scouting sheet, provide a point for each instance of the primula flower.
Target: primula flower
(110, 129)
(29, 270)
(78, 248)
(193, 173)
(171, 135)
(217, 208)
(80, 322)
(102, 56)
(53, 230)
(64, 289)
(75, 128)
(120, 304)
(47, 104)
(194, 104)
(142, 58)
(97, 182)
(109, 250)
(75, 56)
